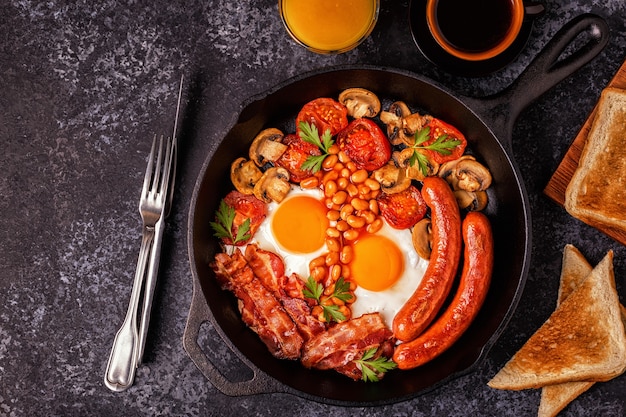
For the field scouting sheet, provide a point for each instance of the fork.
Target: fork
(123, 359)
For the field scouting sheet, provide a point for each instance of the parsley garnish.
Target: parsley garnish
(314, 290)
(310, 134)
(371, 368)
(223, 227)
(443, 145)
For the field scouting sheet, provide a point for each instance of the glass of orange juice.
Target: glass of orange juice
(329, 26)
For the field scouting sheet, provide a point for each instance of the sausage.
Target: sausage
(473, 287)
(422, 307)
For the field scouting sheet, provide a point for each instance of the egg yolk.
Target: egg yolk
(377, 263)
(299, 224)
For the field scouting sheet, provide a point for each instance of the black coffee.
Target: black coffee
(474, 25)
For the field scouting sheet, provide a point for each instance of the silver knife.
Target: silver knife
(155, 253)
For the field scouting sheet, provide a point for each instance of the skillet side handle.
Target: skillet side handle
(199, 314)
(546, 70)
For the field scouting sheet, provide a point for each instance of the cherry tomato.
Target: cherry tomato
(246, 207)
(404, 209)
(365, 143)
(296, 154)
(324, 113)
(439, 128)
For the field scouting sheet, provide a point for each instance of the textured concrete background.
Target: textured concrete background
(83, 88)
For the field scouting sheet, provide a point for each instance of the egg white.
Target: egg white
(389, 301)
(294, 262)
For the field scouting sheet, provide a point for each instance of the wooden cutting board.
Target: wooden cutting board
(555, 189)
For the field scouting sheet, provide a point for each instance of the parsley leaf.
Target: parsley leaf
(223, 227)
(314, 290)
(371, 368)
(310, 134)
(444, 145)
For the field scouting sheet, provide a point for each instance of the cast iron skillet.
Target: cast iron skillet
(487, 123)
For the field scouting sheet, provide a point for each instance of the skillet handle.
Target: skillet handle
(198, 314)
(546, 70)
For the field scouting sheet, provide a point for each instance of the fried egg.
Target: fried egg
(387, 270)
(295, 229)
(385, 266)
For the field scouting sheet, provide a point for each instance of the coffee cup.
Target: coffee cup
(477, 30)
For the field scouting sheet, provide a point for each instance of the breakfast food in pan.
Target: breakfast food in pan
(598, 187)
(582, 342)
(355, 241)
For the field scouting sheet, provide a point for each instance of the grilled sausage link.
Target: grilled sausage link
(420, 310)
(473, 287)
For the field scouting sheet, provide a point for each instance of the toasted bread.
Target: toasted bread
(597, 189)
(574, 271)
(583, 340)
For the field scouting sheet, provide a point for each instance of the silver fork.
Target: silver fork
(122, 363)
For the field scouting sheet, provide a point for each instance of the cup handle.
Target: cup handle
(534, 9)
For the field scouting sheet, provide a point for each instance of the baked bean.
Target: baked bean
(355, 222)
(333, 245)
(334, 149)
(332, 232)
(342, 226)
(315, 262)
(345, 311)
(345, 273)
(374, 206)
(338, 301)
(331, 258)
(351, 166)
(332, 215)
(375, 226)
(372, 184)
(346, 211)
(347, 253)
(310, 183)
(328, 291)
(329, 162)
(338, 167)
(340, 197)
(352, 190)
(368, 216)
(342, 183)
(360, 204)
(318, 273)
(330, 188)
(351, 234)
(343, 157)
(335, 272)
(359, 176)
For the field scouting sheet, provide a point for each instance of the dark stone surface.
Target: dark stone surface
(83, 88)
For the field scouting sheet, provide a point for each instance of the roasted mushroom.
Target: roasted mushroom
(244, 174)
(273, 185)
(392, 179)
(471, 200)
(360, 102)
(267, 146)
(402, 124)
(422, 238)
(466, 174)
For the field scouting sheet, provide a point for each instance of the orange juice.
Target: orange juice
(329, 26)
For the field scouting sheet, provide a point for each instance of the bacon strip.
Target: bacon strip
(260, 310)
(267, 266)
(345, 342)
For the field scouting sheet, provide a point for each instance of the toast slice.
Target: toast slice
(597, 189)
(583, 340)
(574, 271)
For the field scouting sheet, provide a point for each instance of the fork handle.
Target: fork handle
(150, 284)
(120, 372)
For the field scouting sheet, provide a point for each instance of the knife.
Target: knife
(155, 253)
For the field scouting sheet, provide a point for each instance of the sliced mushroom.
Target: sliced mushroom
(392, 179)
(244, 174)
(394, 120)
(402, 158)
(466, 174)
(422, 238)
(360, 102)
(471, 200)
(267, 147)
(273, 185)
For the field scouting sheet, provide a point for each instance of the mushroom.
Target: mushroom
(466, 174)
(267, 147)
(392, 179)
(402, 159)
(422, 238)
(360, 102)
(244, 174)
(394, 118)
(273, 185)
(471, 200)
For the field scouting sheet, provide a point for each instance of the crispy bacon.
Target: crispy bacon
(267, 266)
(293, 286)
(345, 342)
(352, 370)
(260, 310)
(300, 312)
